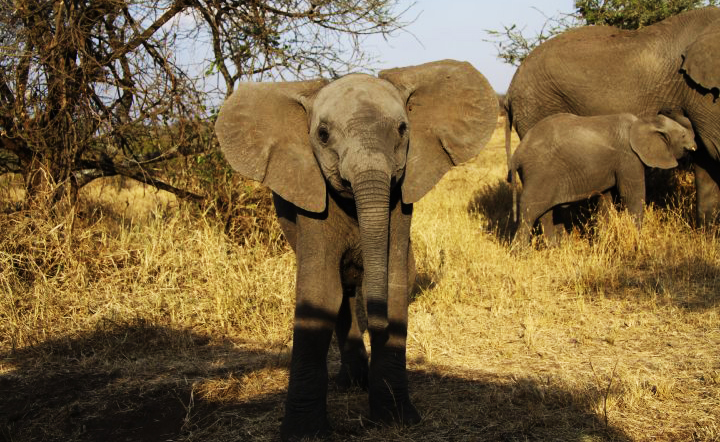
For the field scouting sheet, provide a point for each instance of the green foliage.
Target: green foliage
(633, 14)
(513, 46)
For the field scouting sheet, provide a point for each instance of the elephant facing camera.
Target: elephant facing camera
(346, 160)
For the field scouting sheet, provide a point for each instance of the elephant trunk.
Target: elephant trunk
(372, 200)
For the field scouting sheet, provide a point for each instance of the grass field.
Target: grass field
(135, 318)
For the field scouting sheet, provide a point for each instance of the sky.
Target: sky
(439, 29)
(457, 29)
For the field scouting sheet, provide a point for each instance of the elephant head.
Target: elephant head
(359, 136)
(660, 141)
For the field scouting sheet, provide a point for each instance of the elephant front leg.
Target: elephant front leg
(632, 194)
(318, 299)
(389, 391)
(306, 403)
(707, 190)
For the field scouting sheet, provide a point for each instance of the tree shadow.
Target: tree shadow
(142, 382)
(129, 381)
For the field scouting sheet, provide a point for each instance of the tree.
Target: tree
(633, 14)
(92, 88)
(513, 46)
(292, 38)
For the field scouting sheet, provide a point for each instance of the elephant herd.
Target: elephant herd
(346, 160)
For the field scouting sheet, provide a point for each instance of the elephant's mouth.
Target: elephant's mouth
(340, 186)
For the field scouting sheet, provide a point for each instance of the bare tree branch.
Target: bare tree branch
(92, 88)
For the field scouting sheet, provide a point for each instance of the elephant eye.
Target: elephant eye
(402, 129)
(323, 134)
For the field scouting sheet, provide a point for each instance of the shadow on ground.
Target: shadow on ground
(139, 382)
(493, 203)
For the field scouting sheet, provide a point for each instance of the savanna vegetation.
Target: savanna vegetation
(142, 319)
(147, 294)
(92, 89)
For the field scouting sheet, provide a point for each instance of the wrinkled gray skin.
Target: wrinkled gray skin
(566, 158)
(346, 160)
(601, 70)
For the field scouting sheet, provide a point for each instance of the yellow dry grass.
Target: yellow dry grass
(139, 319)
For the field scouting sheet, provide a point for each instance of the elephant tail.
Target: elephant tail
(508, 134)
(513, 184)
(508, 151)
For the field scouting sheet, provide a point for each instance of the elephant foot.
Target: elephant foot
(352, 375)
(402, 413)
(299, 427)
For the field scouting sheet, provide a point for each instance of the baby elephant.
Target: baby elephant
(566, 158)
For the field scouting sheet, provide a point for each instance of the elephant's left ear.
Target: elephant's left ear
(453, 111)
(649, 141)
(701, 60)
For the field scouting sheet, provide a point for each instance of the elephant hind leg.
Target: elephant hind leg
(551, 232)
(530, 211)
(351, 325)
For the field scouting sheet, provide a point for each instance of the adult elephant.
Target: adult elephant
(346, 160)
(598, 70)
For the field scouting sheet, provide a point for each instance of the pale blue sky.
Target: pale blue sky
(440, 29)
(456, 29)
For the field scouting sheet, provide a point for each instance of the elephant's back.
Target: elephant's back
(562, 126)
(577, 72)
(568, 136)
(597, 70)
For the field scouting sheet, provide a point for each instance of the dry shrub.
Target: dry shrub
(244, 207)
(171, 266)
(12, 192)
(171, 324)
(249, 212)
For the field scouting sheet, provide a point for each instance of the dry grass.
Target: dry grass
(138, 320)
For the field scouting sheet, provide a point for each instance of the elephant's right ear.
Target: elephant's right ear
(453, 112)
(701, 59)
(263, 133)
(648, 141)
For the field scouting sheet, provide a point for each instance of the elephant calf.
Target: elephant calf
(346, 160)
(566, 158)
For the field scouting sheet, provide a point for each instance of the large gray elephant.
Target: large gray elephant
(346, 160)
(599, 70)
(565, 158)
